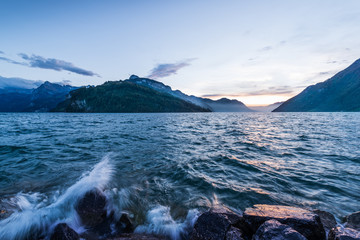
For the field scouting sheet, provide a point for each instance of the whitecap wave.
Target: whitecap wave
(34, 216)
(160, 222)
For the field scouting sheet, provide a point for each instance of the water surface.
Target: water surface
(163, 169)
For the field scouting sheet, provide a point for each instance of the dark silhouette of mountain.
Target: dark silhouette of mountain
(221, 105)
(337, 94)
(226, 105)
(124, 96)
(48, 96)
(131, 95)
(40, 99)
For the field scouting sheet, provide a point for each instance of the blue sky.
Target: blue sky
(258, 52)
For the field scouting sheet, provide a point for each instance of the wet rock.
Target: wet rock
(216, 223)
(124, 225)
(137, 236)
(353, 221)
(305, 222)
(234, 234)
(63, 232)
(91, 208)
(110, 227)
(273, 229)
(339, 233)
(327, 219)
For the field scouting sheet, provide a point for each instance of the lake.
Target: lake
(164, 169)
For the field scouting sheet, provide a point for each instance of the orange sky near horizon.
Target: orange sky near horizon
(258, 100)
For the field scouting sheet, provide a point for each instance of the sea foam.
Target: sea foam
(34, 217)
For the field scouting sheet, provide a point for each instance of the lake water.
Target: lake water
(163, 169)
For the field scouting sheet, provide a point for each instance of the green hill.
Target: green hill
(125, 97)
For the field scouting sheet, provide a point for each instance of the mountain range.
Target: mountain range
(131, 95)
(341, 93)
(136, 94)
(41, 99)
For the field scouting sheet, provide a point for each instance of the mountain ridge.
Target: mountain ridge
(338, 93)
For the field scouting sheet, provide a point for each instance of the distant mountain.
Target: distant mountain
(268, 108)
(337, 94)
(17, 84)
(125, 96)
(131, 95)
(40, 99)
(221, 105)
(47, 97)
(226, 105)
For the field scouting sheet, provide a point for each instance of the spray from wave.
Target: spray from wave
(34, 218)
(159, 221)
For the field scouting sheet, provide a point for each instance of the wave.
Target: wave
(160, 222)
(33, 217)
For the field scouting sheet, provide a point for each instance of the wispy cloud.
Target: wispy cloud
(18, 83)
(280, 90)
(36, 61)
(12, 61)
(54, 64)
(265, 49)
(167, 69)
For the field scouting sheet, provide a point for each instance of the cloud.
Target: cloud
(18, 83)
(1, 52)
(167, 69)
(281, 90)
(12, 61)
(265, 49)
(54, 64)
(64, 82)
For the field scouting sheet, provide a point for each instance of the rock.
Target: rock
(234, 234)
(138, 236)
(63, 232)
(91, 208)
(110, 227)
(353, 221)
(305, 222)
(124, 225)
(216, 223)
(273, 229)
(339, 233)
(327, 219)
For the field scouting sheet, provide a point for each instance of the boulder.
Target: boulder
(327, 219)
(137, 236)
(63, 232)
(340, 233)
(110, 227)
(273, 229)
(234, 234)
(305, 222)
(124, 225)
(353, 221)
(216, 223)
(91, 208)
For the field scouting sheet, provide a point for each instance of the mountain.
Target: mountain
(160, 87)
(40, 99)
(226, 105)
(47, 97)
(221, 105)
(337, 94)
(268, 108)
(125, 96)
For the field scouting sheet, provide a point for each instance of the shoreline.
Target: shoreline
(259, 222)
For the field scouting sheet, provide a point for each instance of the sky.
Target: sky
(258, 52)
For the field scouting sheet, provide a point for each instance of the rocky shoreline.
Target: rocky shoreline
(261, 222)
